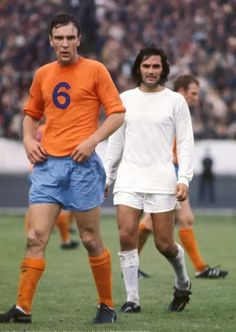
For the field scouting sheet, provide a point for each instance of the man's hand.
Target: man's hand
(181, 192)
(34, 151)
(84, 150)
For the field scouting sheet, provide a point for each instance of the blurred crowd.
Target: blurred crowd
(198, 36)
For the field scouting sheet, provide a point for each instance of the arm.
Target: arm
(114, 153)
(33, 148)
(87, 147)
(109, 98)
(184, 148)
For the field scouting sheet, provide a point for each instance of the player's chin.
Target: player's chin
(151, 83)
(65, 60)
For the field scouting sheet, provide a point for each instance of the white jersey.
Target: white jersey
(139, 154)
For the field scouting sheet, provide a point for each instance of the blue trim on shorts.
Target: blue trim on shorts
(74, 186)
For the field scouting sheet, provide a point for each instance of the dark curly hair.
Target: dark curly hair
(145, 53)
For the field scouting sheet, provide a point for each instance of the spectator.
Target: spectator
(199, 37)
(207, 180)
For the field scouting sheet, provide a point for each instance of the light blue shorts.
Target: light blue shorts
(75, 186)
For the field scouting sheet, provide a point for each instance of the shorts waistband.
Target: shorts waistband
(59, 157)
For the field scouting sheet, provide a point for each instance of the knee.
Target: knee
(146, 223)
(89, 241)
(186, 221)
(146, 229)
(36, 241)
(127, 240)
(166, 248)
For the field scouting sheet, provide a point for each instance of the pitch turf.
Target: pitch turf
(65, 299)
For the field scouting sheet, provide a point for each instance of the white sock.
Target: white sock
(129, 262)
(182, 280)
(19, 308)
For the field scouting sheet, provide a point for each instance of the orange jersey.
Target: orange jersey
(40, 132)
(69, 97)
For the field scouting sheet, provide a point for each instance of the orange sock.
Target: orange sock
(142, 227)
(189, 242)
(31, 271)
(63, 226)
(101, 268)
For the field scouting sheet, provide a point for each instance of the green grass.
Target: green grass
(65, 299)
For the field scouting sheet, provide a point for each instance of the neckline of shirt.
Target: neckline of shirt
(151, 93)
(72, 65)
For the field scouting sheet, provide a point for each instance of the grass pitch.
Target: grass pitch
(66, 296)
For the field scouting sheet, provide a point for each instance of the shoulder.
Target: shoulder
(176, 96)
(176, 99)
(94, 68)
(45, 68)
(129, 93)
(93, 64)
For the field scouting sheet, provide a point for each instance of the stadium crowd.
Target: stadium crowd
(198, 36)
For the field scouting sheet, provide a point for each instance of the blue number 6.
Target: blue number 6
(57, 93)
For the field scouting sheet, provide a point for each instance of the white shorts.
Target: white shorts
(150, 203)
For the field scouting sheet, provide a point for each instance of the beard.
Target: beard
(153, 84)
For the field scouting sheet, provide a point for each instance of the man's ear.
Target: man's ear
(79, 41)
(182, 91)
(50, 40)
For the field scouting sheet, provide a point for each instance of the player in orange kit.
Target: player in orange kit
(67, 171)
(188, 86)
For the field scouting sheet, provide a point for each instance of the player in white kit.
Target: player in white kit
(139, 159)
